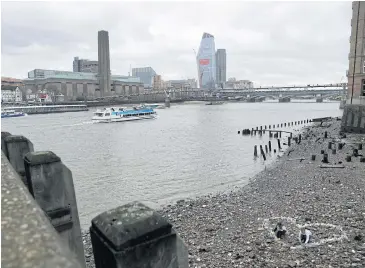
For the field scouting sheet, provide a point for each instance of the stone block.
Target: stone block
(134, 235)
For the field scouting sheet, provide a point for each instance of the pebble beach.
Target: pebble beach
(234, 229)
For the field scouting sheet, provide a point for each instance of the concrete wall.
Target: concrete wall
(72, 89)
(357, 51)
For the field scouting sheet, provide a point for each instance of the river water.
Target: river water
(190, 150)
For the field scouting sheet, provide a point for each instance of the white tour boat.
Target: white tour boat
(122, 114)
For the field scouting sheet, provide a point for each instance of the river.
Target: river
(189, 150)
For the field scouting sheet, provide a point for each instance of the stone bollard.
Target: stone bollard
(329, 145)
(270, 146)
(17, 147)
(255, 150)
(348, 158)
(325, 158)
(51, 184)
(333, 151)
(3, 144)
(134, 235)
(279, 145)
(313, 157)
(360, 146)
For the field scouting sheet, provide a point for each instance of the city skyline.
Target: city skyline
(265, 49)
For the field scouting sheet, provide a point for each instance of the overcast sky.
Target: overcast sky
(270, 43)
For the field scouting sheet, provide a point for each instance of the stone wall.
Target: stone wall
(353, 119)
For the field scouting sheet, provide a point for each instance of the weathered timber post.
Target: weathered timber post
(289, 139)
(255, 150)
(325, 158)
(313, 157)
(279, 145)
(17, 147)
(300, 138)
(266, 148)
(51, 184)
(270, 146)
(134, 235)
(262, 152)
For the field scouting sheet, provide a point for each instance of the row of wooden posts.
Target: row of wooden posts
(132, 235)
(262, 129)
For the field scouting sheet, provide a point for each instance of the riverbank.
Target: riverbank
(234, 229)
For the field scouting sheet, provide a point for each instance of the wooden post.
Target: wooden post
(313, 157)
(134, 235)
(329, 145)
(270, 146)
(348, 158)
(51, 184)
(333, 151)
(300, 138)
(289, 139)
(340, 146)
(325, 134)
(17, 147)
(262, 153)
(266, 149)
(279, 145)
(325, 158)
(360, 146)
(255, 150)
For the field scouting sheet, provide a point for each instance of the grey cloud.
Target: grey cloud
(267, 42)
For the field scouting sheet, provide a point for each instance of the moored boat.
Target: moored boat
(11, 113)
(122, 114)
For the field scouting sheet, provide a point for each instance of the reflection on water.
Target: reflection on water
(191, 149)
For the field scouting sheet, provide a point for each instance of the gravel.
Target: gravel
(234, 229)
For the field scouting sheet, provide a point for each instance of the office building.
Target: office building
(157, 82)
(220, 59)
(85, 66)
(146, 75)
(206, 61)
(353, 119)
(104, 63)
(11, 94)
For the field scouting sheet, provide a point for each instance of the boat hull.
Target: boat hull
(12, 115)
(122, 119)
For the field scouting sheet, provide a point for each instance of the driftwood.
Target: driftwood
(332, 166)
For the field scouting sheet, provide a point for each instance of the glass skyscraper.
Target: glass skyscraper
(206, 62)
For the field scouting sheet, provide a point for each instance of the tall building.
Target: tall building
(157, 82)
(206, 62)
(85, 66)
(146, 75)
(104, 63)
(220, 59)
(353, 119)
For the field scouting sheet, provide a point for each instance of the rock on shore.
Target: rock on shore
(235, 229)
